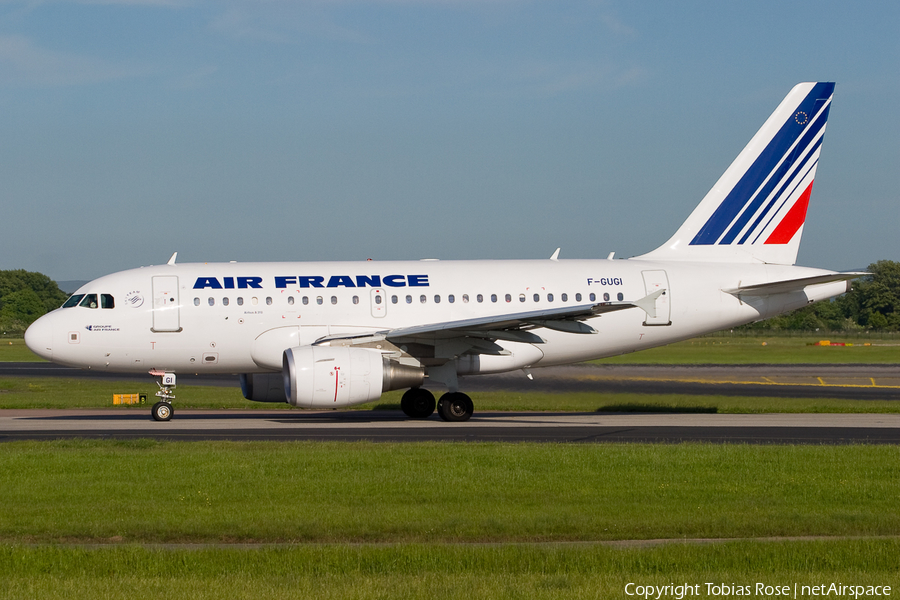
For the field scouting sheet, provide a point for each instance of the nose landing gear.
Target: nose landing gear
(162, 411)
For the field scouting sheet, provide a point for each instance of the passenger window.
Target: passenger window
(465, 298)
(377, 299)
(493, 297)
(212, 301)
(319, 300)
(106, 301)
(240, 301)
(451, 298)
(305, 300)
(269, 301)
(422, 298)
(409, 299)
(290, 300)
(73, 301)
(508, 298)
(521, 297)
(549, 297)
(577, 297)
(224, 301)
(564, 297)
(606, 297)
(254, 300)
(593, 297)
(479, 298)
(620, 296)
(437, 299)
(355, 299)
(394, 299)
(196, 301)
(90, 301)
(334, 299)
(537, 297)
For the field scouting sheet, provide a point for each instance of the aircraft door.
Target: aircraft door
(379, 302)
(166, 308)
(654, 281)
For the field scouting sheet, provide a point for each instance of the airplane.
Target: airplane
(335, 334)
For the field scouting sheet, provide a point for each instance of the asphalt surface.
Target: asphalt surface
(392, 426)
(863, 382)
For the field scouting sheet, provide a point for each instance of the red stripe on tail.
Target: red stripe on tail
(792, 220)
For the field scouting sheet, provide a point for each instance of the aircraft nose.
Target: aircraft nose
(39, 337)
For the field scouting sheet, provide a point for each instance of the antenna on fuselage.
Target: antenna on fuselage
(172, 260)
(555, 255)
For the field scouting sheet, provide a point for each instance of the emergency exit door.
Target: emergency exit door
(166, 307)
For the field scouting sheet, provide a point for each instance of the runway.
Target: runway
(392, 426)
(860, 382)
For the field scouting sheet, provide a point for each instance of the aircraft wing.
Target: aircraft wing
(791, 285)
(517, 327)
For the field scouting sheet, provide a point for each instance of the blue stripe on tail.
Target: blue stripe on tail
(767, 161)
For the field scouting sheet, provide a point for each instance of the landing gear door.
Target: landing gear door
(379, 302)
(166, 307)
(653, 282)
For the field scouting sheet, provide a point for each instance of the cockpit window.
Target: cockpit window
(107, 301)
(73, 301)
(90, 301)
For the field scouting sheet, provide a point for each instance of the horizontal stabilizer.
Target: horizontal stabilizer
(791, 285)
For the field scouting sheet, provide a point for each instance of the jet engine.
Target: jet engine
(332, 377)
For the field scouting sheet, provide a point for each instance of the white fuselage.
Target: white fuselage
(240, 317)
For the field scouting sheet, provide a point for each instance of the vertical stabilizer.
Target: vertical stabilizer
(756, 211)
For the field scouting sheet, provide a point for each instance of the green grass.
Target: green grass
(429, 571)
(15, 350)
(58, 393)
(146, 491)
(772, 349)
(365, 520)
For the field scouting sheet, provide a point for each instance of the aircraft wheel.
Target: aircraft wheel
(161, 411)
(417, 403)
(455, 406)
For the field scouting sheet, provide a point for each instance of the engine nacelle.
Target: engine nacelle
(263, 387)
(332, 377)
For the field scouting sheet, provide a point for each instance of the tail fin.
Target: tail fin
(756, 211)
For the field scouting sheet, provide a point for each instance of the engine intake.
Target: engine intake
(331, 377)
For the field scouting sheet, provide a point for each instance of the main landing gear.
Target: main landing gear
(162, 411)
(418, 403)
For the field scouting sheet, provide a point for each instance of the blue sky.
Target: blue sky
(269, 130)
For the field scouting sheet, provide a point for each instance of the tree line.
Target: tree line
(871, 305)
(25, 296)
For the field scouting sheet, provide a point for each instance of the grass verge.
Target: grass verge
(15, 350)
(435, 571)
(146, 491)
